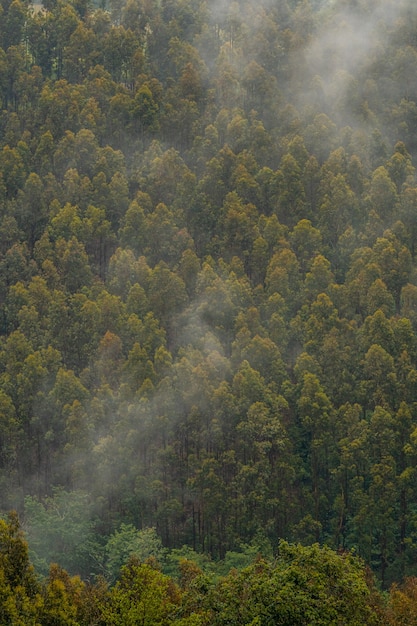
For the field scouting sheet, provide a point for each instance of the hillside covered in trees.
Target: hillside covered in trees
(208, 280)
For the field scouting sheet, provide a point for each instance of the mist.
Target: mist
(346, 52)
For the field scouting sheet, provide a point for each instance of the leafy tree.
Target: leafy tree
(143, 593)
(291, 191)
(301, 585)
(72, 263)
(382, 193)
(54, 529)
(61, 598)
(167, 294)
(129, 542)
(306, 242)
(19, 598)
(316, 416)
(402, 603)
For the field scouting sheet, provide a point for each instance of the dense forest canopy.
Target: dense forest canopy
(208, 286)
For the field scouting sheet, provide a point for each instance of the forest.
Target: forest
(208, 305)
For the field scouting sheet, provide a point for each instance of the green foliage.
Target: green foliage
(19, 590)
(208, 288)
(312, 584)
(129, 542)
(143, 594)
(60, 530)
